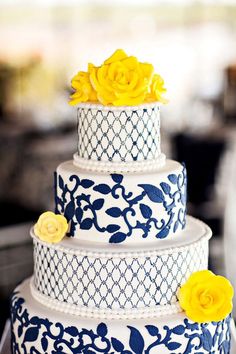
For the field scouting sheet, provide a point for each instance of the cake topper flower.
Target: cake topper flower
(157, 89)
(51, 227)
(83, 89)
(120, 81)
(206, 297)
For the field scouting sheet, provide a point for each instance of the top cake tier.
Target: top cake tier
(118, 115)
(119, 138)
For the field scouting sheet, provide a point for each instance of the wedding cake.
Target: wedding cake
(119, 267)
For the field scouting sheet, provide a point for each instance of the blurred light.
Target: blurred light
(49, 3)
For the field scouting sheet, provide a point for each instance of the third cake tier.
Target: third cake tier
(84, 278)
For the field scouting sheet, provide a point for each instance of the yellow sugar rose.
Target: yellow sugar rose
(51, 227)
(83, 89)
(157, 89)
(206, 297)
(121, 80)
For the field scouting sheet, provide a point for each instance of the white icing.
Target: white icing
(98, 106)
(195, 230)
(131, 183)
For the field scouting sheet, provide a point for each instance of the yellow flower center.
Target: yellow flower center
(52, 228)
(206, 299)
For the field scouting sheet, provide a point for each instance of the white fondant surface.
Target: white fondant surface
(134, 335)
(143, 221)
(193, 232)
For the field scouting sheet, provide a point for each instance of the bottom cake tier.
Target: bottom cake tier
(38, 329)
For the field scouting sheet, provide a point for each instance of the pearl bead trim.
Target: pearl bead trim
(101, 314)
(124, 167)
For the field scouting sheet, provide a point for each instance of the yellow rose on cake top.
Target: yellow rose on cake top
(83, 89)
(206, 297)
(120, 81)
(157, 90)
(51, 227)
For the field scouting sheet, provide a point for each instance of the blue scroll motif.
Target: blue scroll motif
(77, 208)
(40, 334)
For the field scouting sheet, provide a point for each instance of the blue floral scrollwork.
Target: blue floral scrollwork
(76, 204)
(43, 336)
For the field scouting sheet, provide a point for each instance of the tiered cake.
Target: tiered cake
(113, 286)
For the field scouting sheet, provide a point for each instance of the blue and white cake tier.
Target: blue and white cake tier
(115, 136)
(122, 207)
(40, 329)
(118, 282)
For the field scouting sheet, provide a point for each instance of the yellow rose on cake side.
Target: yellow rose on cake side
(206, 297)
(51, 227)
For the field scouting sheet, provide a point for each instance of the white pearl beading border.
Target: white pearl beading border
(98, 106)
(122, 167)
(101, 314)
(117, 253)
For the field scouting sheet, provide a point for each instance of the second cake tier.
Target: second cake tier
(118, 282)
(121, 208)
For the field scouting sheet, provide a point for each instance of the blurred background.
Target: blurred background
(192, 44)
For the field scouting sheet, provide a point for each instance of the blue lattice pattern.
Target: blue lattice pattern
(119, 135)
(115, 282)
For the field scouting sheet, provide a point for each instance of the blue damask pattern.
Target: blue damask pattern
(43, 335)
(168, 194)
